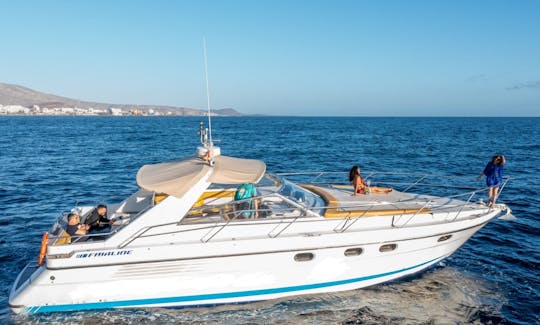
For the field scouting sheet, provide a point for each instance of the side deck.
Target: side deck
(287, 203)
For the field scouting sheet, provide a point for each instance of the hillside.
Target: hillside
(18, 95)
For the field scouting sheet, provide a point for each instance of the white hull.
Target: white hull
(239, 278)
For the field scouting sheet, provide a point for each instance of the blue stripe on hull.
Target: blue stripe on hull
(195, 298)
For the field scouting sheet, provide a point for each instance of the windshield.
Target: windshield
(301, 196)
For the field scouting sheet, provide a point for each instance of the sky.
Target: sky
(304, 58)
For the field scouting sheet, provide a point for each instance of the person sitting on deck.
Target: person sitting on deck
(360, 186)
(248, 208)
(97, 220)
(74, 227)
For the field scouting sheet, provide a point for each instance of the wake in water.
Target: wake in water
(439, 296)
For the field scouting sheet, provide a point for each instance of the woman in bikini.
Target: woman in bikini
(360, 187)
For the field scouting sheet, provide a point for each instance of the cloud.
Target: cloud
(523, 85)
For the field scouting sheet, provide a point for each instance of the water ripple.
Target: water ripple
(50, 163)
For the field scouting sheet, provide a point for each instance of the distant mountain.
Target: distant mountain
(227, 112)
(18, 95)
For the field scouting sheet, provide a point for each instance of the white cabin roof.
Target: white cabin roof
(177, 177)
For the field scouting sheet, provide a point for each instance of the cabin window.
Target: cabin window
(353, 251)
(387, 248)
(303, 257)
(443, 238)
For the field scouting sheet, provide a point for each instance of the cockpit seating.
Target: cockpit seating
(62, 238)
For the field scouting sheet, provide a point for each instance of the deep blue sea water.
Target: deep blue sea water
(48, 164)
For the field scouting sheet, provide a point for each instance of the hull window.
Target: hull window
(387, 248)
(443, 238)
(303, 257)
(353, 251)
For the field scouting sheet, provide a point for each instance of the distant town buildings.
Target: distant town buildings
(14, 109)
(18, 100)
(90, 111)
(115, 111)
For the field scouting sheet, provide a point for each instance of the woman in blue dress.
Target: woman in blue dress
(494, 177)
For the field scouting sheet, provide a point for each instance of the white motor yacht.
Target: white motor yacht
(183, 240)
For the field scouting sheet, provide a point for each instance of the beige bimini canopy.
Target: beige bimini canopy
(177, 177)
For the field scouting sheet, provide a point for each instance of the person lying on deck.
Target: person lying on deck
(360, 186)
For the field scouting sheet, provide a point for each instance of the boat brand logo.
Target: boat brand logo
(101, 254)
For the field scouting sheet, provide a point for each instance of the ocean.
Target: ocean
(50, 164)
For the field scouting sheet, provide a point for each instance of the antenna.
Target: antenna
(207, 94)
(207, 134)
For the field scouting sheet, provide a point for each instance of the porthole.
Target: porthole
(303, 257)
(443, 238)
(387, 248)
(353, 251)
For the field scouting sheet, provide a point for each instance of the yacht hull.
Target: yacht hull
(323, 266)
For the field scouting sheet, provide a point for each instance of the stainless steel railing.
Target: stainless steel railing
(224, 215)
